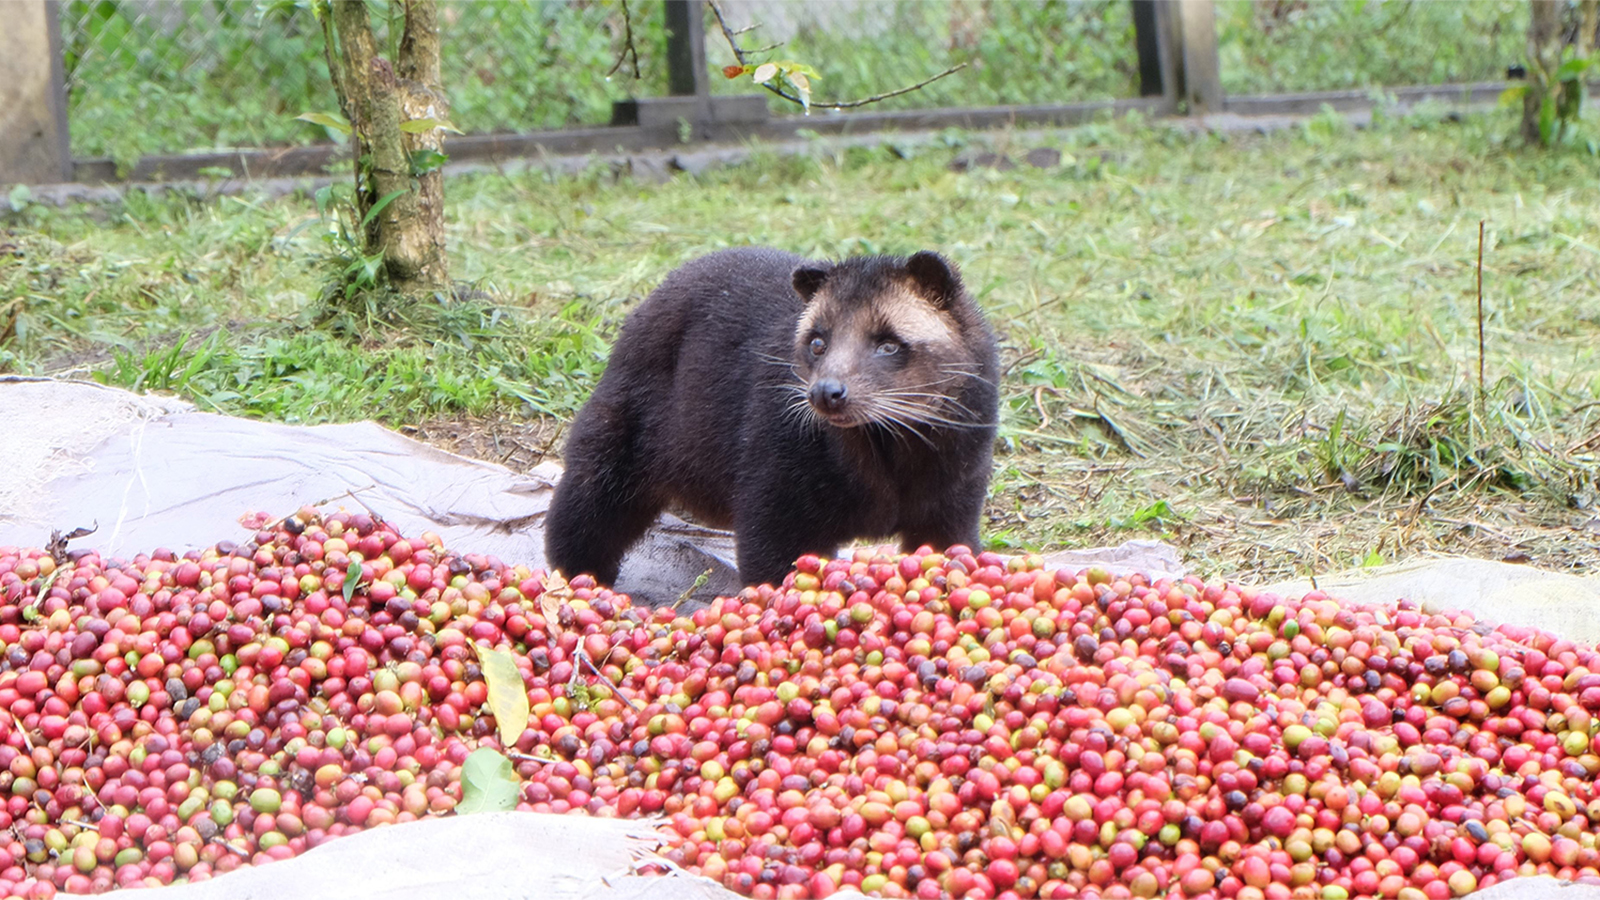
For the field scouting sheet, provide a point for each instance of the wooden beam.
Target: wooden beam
(487, 148)
(34, 145)
(1202, 68)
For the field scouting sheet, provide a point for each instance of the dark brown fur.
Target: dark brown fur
(802, 404)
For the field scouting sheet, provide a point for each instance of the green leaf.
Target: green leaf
(328, 120)
(363, 272)
(418, 126)
(378, 207)
(324, 196)
(20, 197)
(508, 696)
(351, 576)
(488, 783)
(1513, 95)
(1547, 120)
(282, 7)
(1572, 68)
(425, 161)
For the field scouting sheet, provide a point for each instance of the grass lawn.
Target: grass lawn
(1262, 348)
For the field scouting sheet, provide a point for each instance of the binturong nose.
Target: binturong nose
(828, 395)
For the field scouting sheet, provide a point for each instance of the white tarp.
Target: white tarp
(1568, 605)
(155, 472)
(489, 856)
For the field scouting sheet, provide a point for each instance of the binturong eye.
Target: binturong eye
(889, 348)
(818, 346)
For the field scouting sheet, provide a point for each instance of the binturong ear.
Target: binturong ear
(807, 280)
(934, 278)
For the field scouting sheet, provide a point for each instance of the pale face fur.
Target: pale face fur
(899, 356)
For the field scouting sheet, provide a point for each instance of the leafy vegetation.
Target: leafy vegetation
(175, 77)
(1316, 45)
(1263, 347)
(1017, 52)
(172, 77)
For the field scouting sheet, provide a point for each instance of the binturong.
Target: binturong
(802, 404)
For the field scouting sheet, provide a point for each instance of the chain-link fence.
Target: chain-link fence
(169, 76)
(1016, 51)
(1283, 46)
(165, 76)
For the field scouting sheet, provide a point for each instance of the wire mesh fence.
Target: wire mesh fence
(1282, 46)
(1016, 51)
(164, 76)
(169, 76)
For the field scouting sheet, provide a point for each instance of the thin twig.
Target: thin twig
(743, 56)
(616, 688)
(628, 49)
(351, 494)
(1586, 444)
(1480, 316)
(1479, 526)
(523, 757)
(699, 582)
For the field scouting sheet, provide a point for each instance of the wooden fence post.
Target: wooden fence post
(1177, 45)
(34, 146)
(1202, 69)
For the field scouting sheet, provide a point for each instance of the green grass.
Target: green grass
(1261, 347)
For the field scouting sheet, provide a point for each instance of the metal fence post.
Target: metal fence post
(690, 101)
(686, 48)
(34, 146)
(1147, 42)
(686, 60)
(1158, 39)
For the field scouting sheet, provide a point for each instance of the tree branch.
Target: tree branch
(628, 49)
(336, 71)
(422, 97)
(743, 57)
(1544, 58)
(376, 95)
(351, 60)
(419, 45)
(1588, 21)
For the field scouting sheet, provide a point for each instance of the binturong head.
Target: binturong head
(889, 341)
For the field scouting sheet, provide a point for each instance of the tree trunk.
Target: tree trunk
(408, 229)
(421, 98)
(1570, 100)
(1544, 58)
